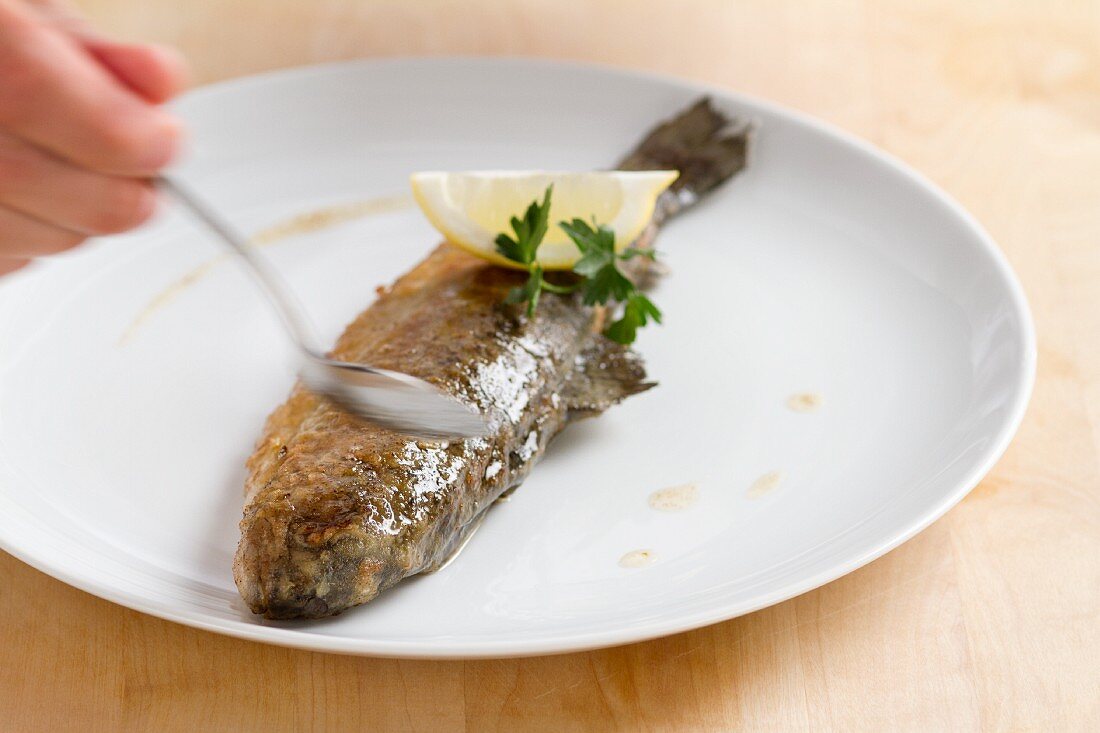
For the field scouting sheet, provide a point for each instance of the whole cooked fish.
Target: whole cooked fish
(338, 510)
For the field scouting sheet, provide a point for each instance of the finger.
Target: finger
(157, 73)
(57, 96)
(51, 190)
(61, 15)
(11, 265)
(23, 237)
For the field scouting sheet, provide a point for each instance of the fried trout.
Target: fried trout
(338, 510)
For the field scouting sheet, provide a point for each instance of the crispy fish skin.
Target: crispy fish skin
(338, 510)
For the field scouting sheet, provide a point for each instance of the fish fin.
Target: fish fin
(605, 373)
(706, 146)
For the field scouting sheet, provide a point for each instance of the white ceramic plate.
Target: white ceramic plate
(827, 267)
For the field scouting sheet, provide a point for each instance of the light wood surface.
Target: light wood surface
(988, 620)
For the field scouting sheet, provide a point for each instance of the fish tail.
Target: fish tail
(706, 146)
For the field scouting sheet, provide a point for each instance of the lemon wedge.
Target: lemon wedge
(471, 208)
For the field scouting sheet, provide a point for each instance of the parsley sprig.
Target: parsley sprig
(529, 232)
(602, 281)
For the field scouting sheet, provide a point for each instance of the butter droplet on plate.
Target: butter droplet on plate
(637, 559)
(674, 498)
(804, 402)
(764, 484)
(308, 222)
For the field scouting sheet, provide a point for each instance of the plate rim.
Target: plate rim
(580, 641)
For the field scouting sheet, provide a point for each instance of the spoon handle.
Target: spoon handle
(290, 312)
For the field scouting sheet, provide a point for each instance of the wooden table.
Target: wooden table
(990, 619)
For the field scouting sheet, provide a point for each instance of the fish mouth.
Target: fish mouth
(297, 570)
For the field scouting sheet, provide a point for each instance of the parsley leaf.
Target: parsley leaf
(605, 285)
(597, 263)
(523, 249)
(597, 246)
(602, 282)
(636, 313)
(529, 232)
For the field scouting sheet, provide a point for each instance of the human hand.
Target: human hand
(80, 130)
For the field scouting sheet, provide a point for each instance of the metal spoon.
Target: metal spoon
(391, 399)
